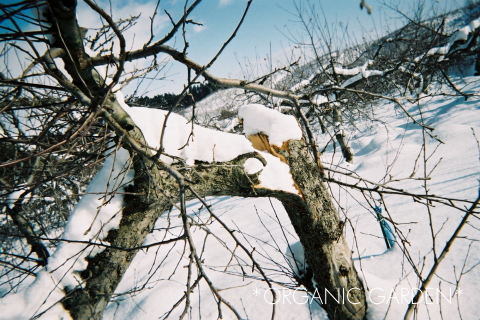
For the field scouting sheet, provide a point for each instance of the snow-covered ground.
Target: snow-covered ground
(389, 151)
(386, 149)
(391, 146)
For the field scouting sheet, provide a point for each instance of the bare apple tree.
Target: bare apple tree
(59, 121)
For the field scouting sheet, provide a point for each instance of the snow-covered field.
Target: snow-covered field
(391, 146)
(388, 151)
(384, 150)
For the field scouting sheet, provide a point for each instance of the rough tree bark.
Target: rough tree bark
(320, 230)
(312, 213)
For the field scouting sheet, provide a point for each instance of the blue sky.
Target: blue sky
(264, 37)
(267, 29)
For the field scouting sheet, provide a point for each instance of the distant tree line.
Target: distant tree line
(167, 100)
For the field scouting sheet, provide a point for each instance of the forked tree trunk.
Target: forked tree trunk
(312, 214)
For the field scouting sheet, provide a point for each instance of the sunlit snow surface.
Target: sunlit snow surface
(392, 145)
(277, 126)
(156, 278)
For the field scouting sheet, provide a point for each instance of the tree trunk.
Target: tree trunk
(320, 230)
(141, 211)
(340, 135)
(313, 216)
(106, 269)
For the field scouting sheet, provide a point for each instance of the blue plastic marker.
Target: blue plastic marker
(387, 231)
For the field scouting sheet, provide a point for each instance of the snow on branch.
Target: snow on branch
(216, 146)
(358, 73)
(180, 141)
(460, 35)
(277, 126)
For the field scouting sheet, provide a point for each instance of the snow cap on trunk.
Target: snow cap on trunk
(204, 144)
(277, 126)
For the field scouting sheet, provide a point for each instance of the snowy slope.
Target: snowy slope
(156, 279)
(392, 146)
